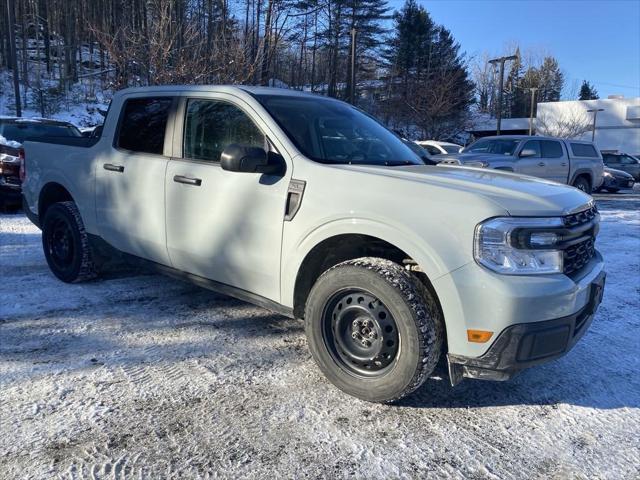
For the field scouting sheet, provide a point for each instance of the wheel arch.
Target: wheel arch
(339, 247)
(52, 192)
(583, 172)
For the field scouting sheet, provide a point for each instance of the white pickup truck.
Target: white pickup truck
(306, 206)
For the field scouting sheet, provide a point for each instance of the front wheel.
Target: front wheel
(583, 184)
(66, 244)
(374, 330)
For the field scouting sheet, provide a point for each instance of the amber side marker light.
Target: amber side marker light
(478, 336)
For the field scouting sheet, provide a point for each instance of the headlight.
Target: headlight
(607, 174)
(519, 246)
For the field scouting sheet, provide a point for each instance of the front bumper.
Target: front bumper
(527, 344)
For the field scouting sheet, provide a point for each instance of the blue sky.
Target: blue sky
(597, 40)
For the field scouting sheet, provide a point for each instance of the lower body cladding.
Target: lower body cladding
(533, 335)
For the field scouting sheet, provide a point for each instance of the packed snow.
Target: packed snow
(140, 376)
(9, 143)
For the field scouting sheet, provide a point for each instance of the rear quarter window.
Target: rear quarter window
(143, 124)
(583, 150)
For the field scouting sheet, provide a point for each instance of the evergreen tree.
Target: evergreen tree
(551, 80)
(588, 91)
(428, 82)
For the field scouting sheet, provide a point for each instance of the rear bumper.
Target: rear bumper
(527, 344)
(10, 192)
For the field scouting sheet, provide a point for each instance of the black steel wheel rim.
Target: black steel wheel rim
(60, 244)
(360, 333)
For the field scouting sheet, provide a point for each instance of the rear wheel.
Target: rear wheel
(581, 183)
(66, 244)
(374, 329)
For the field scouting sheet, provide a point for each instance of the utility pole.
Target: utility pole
(595, 115)
(501, 61)
(11, 18)
(352, 90)
(533, 91)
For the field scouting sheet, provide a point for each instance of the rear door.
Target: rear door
(130, 184)
(556, 160)
(221, 225)
(531, 165)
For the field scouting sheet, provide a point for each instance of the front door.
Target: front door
(221, 225)
(130, 181)
(532, 164)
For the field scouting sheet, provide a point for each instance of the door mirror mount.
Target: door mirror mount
(243, 158)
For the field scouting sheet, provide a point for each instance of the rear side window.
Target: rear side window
(210, 126)
(143, 124)
(551, 149)
(583, 150)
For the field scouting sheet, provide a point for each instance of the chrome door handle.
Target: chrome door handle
(564, 164)
(541, 164)
(187, 180)
(113, 168)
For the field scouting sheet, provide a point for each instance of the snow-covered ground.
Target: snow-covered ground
(140, 376)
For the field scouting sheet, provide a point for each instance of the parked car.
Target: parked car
(622, 161)
(435, 147)
(573, 162)
(616, 180)
(305, 205)
(424, 155)
(14, 131)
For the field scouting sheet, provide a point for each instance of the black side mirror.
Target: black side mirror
(242, 158)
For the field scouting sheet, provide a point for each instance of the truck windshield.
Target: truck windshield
(329, 131)
(20, 131)
(496, 146)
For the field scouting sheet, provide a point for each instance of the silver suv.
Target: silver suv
(573, 162)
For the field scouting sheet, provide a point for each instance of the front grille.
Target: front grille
(577, 256)
(581, 217)
(582, 249)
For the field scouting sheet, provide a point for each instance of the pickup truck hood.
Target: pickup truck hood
(517, 194)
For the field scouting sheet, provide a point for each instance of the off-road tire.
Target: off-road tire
(420, 329)
(78, 267)
(581, 183)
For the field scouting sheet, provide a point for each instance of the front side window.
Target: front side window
(211, 125)
(495, 146)
(432, 150)
(451, 148)
(143, 124)
(584, 150)
(329, 131)
(532, 145)
(551, 149)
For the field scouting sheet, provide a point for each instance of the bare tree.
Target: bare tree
(572, 123)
